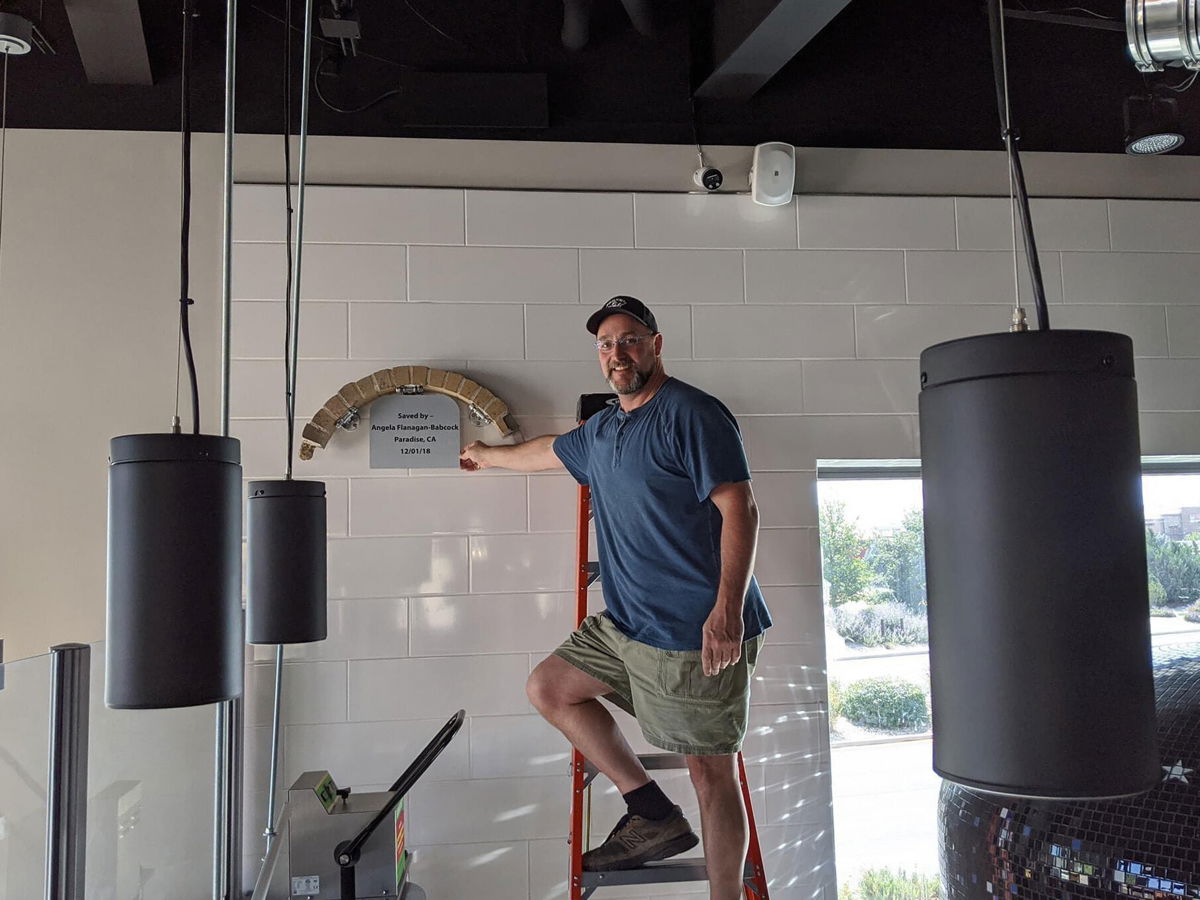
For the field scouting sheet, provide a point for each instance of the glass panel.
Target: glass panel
(24, 751)
(150, 799)
(884, 789)
(1172, 504)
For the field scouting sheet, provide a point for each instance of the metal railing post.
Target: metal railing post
(66, 796)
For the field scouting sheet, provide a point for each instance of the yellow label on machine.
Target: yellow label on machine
(326, 792)
(401, 855)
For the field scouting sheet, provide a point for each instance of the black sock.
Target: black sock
(649, 802)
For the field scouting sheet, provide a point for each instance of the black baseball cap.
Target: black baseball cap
(630, 306)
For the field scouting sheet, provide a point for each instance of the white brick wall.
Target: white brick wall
(446, 588)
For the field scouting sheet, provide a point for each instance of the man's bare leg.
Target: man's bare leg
(566, 698)
(723, 821)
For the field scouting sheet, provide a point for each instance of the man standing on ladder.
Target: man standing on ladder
(677, 527)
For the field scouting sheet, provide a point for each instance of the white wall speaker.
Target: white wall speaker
(773, 174)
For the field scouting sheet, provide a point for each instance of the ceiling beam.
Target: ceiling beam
(753, 40)
(110, 39)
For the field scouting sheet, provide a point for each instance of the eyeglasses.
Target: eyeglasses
(625, 343)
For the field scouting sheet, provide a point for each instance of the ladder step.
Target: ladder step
(649, 761)
(664, 871)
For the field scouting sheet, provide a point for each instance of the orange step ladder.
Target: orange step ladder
(583, 884)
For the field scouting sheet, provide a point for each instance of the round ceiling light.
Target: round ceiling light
(16, 34)
(1151, 125)
(1153, 144)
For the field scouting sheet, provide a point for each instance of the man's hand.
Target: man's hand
(722, 640)
(472, 457)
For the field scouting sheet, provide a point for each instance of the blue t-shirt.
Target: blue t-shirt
(650, 472)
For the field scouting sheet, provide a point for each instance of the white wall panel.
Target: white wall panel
(487, 809)
(799, 618)
(506, 563)
(1171, 385)
(1146, 325)
(985, 223)
(490, 623)
(327, 272)
(747, 387)
(902, 332)
(416, 505)
(785, 499)
(348, 215)
(876, 222)
(824, 276)
(977, 276)
(661, 277)
(416, 688)
(259, 330)
(358, 629)
(772, 332)
(1183, 325)
(472, 870)
(549, 219)
(861, 386)
(1169, 278)
(788, 443)
(313, 693)
(463, 330)
(553, 501)
(512, 746)
(395, 566)
(713, 221)
(1155, 226)
(482, 274)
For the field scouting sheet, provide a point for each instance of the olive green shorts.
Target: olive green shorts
(679, 708)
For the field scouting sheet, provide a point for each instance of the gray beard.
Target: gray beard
(636, 383)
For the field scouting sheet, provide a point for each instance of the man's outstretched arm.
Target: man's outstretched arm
(531, 456)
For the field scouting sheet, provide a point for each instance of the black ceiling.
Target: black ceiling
(883, 74)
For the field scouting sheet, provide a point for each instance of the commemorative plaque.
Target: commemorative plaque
(415, 431)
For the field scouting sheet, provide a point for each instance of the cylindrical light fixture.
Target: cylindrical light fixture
(1163, 31)
(1039, 636)
(1151, 125)
(286, 588)
(174, 571)
(16, 34)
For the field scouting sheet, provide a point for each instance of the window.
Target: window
(873, 573)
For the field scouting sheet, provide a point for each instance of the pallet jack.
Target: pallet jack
(330, 845)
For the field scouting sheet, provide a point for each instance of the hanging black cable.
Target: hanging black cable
(1010, 137)
(185, 128)
(289, 400)
(174, 615)
(316, 84)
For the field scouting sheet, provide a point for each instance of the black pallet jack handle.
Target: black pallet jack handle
(347, 852)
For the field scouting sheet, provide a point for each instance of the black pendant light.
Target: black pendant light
(174, 528)
(1039, 640)
(1035, 560)
(286, 586)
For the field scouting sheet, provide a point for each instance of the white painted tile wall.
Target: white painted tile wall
(446, 588)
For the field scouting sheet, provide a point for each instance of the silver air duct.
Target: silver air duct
(1163, 31)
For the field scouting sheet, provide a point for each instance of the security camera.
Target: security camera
(708, 178)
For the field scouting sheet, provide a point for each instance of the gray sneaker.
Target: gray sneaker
(636, 841)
